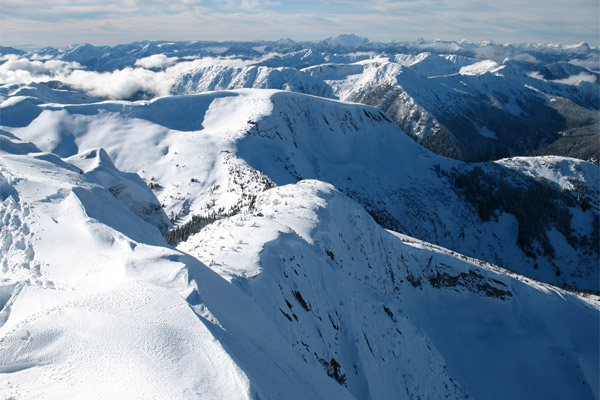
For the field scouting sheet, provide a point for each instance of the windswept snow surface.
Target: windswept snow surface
(96, 305)
(294, 291)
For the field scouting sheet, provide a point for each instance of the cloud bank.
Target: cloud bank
(119, 84)
(571, 80)
(156, 61)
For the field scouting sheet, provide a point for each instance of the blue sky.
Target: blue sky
(62, 22)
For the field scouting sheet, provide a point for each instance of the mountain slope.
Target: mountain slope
(226, 78)
(321, 303)
(94, 303)
(408, 189)
(345, 290)
(466, 108)
(212, 154)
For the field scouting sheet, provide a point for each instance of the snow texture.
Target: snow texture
(295, 290)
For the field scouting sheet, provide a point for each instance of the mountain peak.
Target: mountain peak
(347, 40)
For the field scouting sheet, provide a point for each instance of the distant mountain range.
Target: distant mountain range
(469, 101)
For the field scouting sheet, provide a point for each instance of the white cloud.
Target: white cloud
(158, 61)
(591, 62)
(571, 80)
(118, 84)
(114, 85)
(525, 57)
(15, 69)
(576, 79)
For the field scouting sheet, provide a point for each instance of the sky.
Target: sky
(34, 23)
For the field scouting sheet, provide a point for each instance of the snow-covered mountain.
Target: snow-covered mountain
(467, 108)
(314, 299)
(107, 58)
(211, 154)
(95, 304)
(469, 101)
(230, 240)
(216, 77)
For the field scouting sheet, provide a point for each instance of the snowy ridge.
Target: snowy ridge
(294, 291)
(127, 188)
(465, 108)
(121, 313)
(563, 171)
(104, 58)
(226, 78)
(310, 230)
(213, 153)
(360, 328)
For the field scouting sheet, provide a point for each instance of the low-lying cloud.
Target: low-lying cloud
(16, 69)
(156, 61)
(571, 80)
(152, 76)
